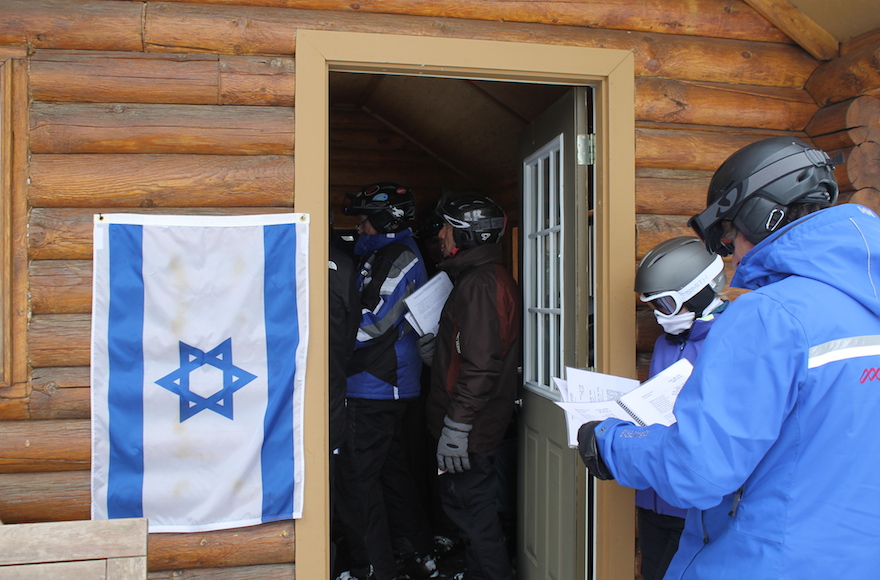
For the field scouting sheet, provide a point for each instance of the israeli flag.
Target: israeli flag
(199, 334)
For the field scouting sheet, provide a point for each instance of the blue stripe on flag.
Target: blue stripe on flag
(282, 339)
(126, 372)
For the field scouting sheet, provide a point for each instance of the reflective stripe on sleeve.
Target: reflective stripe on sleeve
(843, 349)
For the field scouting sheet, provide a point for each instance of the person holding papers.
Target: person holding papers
(376, 486)
(777, 434)
(680, 279)
(474, 378)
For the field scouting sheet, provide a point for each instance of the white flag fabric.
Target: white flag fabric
(199, 335)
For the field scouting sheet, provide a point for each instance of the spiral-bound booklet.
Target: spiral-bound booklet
(650, 403)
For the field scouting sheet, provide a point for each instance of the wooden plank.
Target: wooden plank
(172, 27)
(60, 393)
(126, 568)
(699, 103)
(122, 181)
(852, 75)
(66, 234)
(70, 541)
(18, 209)
(61, 286)
(40, 446)
(801, 28)
(91, 569)
(84, 24)
(142, 128)
(255, 572)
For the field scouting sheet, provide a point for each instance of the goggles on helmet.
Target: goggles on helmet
(671, 301)
(707, 224)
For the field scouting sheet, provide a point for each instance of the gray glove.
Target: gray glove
(426, 348)
(452, 453)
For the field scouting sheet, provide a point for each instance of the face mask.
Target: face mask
(675, 323)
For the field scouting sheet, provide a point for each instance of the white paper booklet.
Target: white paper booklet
(647, 404)
(426, 304)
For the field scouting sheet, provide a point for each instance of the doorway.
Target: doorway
(319, 53)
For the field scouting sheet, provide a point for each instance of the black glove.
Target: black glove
(589, 451)
(452, 448)
(426, 348)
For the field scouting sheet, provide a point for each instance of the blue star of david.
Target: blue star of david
(192, 358)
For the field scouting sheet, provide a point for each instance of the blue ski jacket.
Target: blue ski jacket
(386, 363)
(776, 445)
(669, 349)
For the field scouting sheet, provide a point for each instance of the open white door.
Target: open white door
(557, 284)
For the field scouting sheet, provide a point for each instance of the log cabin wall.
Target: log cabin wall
(188, 107)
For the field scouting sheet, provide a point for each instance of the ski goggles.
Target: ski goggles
(671, 302)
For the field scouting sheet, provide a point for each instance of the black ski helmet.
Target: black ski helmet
(680, 272)
(475, 219)
(757, 186)
(386, 204)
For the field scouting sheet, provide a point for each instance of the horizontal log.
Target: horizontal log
(121, 181)
(696, 17)
(13, 52)
(66, 234)
(66, 496)
(272, 543)
(653, 229)
(643, 364)
(671, 191)
(85, 24)
(139, 128)
(668, 147)
(60, 393)
(696, 103)
(45, 497)
(61, 286)
(647, 330)
(194, 79)
(38, 446)
(59, 340)
(846, 124)
(269, 81)
(850, 76)
(124, 77)
(189, 27)
(255, 572)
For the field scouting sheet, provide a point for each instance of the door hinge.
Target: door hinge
(586, 149)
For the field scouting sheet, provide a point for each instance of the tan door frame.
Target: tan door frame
(611, 72)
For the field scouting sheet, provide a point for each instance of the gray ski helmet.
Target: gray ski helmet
(387, 204)
(475, 219)
(755, 187)
(680, 272)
